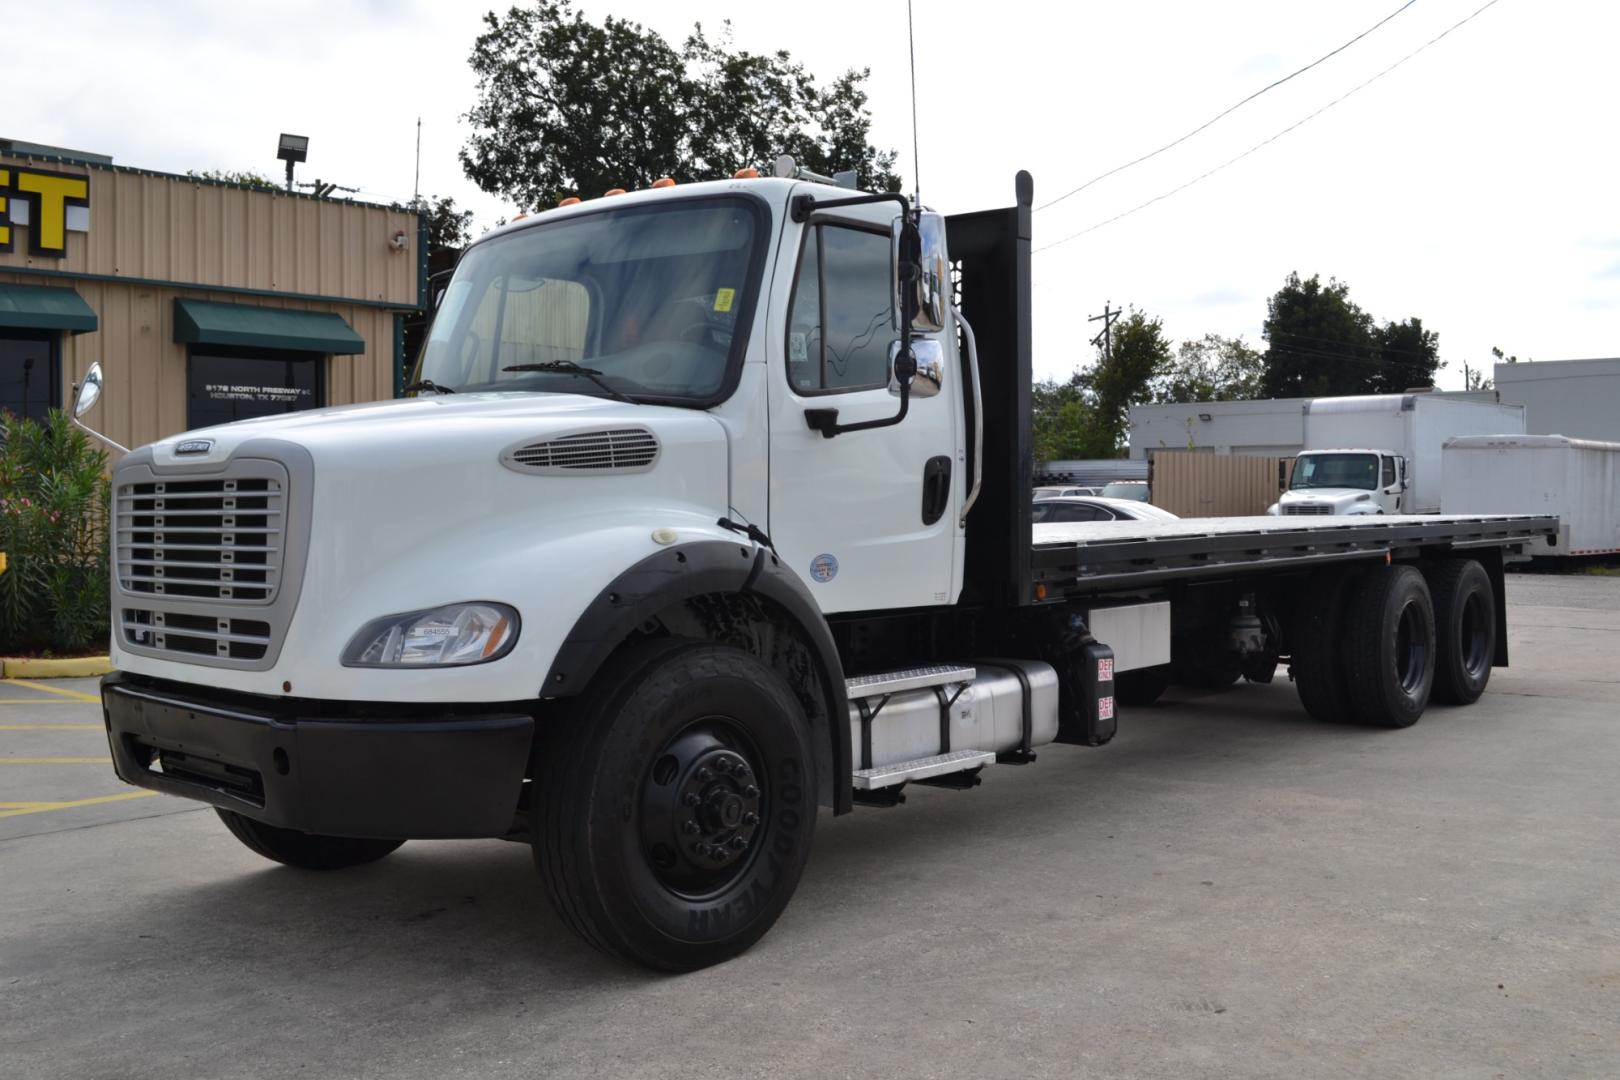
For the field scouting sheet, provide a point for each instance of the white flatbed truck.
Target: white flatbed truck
(712, 510)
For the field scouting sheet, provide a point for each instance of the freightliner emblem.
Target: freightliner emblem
(195, 446)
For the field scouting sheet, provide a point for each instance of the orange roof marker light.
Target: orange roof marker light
(517, 219)
(663, 182)
(746, 174)
(572, 200)
(613, 191)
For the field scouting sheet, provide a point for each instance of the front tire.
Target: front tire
(676, 805)
(307, 851)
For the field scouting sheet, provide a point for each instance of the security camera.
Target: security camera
(399, 241)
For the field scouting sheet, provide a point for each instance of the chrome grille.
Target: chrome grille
(622, 449)
(218, 539)
(199, 635)
(1308, 508)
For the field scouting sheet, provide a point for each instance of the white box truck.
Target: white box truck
(1380, 453)
(694, 529)
(1576, 480)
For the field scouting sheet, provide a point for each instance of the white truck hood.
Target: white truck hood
(1340, 500)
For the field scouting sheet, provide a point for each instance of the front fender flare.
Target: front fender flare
(672, 576)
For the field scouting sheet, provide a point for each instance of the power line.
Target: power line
(1268, 142)
(1228, 111)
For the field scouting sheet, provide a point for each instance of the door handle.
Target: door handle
(936, 489)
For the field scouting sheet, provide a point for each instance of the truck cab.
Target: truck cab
(1334, 482)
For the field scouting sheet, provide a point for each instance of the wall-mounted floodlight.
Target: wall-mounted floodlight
(1204, 416)
(292, 149)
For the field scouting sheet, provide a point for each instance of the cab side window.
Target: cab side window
(838, 320)
(1389, 471)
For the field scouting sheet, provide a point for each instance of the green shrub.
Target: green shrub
(53, 528)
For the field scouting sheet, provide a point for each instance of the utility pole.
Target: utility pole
(416, 181)
(1105, 340)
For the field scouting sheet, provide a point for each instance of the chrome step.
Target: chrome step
(921, 768)
(895, 682)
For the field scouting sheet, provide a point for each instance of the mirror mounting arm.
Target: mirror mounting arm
(802, 206)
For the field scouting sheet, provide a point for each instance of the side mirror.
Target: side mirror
(89, 391)
(921, 270)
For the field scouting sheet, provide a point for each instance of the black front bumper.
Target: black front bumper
(322, 767)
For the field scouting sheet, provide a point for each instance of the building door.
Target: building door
(225, 384)
(30, 373)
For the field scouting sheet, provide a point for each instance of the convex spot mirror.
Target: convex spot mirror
(921, 272)
(89, 391)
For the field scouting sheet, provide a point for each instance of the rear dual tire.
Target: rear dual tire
(1365, 648)
(1465, 616)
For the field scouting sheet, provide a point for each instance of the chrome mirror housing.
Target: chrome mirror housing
(930, 377)
(923, 297)
(89, 391)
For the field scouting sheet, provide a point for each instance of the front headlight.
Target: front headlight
(449, 636)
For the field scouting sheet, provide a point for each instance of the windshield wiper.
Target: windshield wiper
(568, 367)
(427, 384)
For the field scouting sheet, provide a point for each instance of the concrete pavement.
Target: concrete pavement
(1229, 889)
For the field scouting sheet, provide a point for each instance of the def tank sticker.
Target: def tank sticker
(823, 568)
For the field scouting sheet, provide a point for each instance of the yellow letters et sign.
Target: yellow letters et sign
(40, 198)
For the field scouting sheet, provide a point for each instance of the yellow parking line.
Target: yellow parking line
(74, 694)
(19, 809)
(52, 727)
(36, 701)
(55, 761)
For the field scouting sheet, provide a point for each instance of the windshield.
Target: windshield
(1335, 471)
(655, 298)
(1126, 489)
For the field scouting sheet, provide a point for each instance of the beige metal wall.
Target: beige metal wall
(1191, 484)
(174, 229)
(145, 398)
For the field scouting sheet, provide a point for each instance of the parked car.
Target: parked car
(1060, 491)
(1134, 490)
(1096, 508)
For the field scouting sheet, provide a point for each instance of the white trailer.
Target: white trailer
(1395, 468)
(1576, 480)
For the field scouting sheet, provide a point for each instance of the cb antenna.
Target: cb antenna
(916, 163)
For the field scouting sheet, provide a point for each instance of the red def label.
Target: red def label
(1105, 670)
(1105, 708)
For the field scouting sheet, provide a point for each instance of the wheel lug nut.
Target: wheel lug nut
(691, 798)
(704, 774)
(721, 765)
(690, 828)
(740, 769)
(738, 843)
(750, 792)
(749, 818)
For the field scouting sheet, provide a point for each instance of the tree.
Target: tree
(1137, 353)
(1212, 368)
(449, 229)
(1409, 356)
(569, 107)
(247, 179)
(1320, 343)
(1064, 423)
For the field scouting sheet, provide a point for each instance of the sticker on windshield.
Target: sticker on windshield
(823, 568)
(723, 299)
(798, 348)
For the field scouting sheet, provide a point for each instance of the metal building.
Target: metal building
(1578, 398)
(204, 301)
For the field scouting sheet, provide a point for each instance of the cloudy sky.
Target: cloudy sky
(1473, 186)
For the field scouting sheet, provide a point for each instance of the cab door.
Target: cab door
(867, 519)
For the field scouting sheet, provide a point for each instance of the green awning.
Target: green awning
(207, 323)
(44, 307)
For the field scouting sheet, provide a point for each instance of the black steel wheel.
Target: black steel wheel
(675, 804)
(1390, 647)
(1465, 625)
(307, 851)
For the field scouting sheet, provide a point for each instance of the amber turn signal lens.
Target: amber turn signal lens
(572, 200)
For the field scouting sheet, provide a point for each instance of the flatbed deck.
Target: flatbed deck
(1083, 557)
